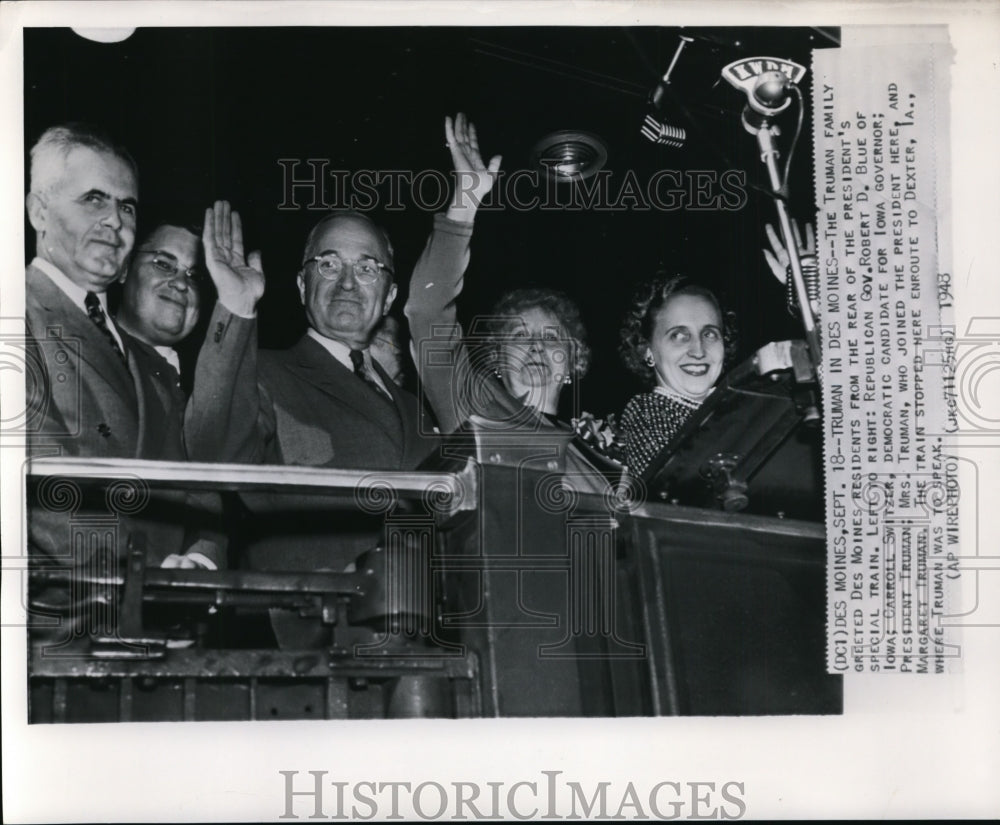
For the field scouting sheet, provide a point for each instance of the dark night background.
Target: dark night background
(207, 113)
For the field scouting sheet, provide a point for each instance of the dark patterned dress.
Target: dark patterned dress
(649, 423)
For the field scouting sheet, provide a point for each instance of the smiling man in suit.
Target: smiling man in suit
(159, 308)
(90, 391)
(325, 402)
(354, 413)
(82, 206)
(162, 293)
(87, 395)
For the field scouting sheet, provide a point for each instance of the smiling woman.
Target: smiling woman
(674, 339)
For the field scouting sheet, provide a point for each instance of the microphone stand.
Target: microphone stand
(762, 127)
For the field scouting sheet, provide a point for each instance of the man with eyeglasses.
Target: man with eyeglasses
(325, 402)
(89, 391)
(161, 295)
(161, 298)
(88, 394)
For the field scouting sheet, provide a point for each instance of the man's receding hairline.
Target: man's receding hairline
(379, 232)
(60, 180)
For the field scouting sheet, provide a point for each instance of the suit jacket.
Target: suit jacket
(198, 515)
(85, 402)
(325, 416)
(305, 408)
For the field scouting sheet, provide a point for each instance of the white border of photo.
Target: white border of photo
(922, 747)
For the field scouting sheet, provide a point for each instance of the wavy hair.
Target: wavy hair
(647, 300)
(513, 304)
(49, 154)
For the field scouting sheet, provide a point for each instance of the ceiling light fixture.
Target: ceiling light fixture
(569, 155)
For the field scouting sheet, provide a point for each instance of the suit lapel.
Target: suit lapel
(320, 369)
(161, 374)
(403, 403)
(60, 314)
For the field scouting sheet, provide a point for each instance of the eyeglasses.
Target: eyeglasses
(331, 266)
(166, 264)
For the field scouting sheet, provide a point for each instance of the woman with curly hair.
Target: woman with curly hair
(511, 370)
(538, 346)
(673, 338)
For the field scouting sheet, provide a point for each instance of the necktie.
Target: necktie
(96, 313)
(360, 370)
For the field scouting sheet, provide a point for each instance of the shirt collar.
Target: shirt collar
(338, 349)
(342, 352)
(76, 293)
(170, 356)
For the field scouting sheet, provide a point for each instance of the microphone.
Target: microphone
(655, 127)
(663, 134)
(766, 81)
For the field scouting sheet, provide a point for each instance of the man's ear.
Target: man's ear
(389, 298)
(301, 281)
(37, 212)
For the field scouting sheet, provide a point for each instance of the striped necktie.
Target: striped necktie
(360, 370)
(96, 313)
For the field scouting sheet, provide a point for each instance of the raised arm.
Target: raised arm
(227, 418)
(436, 336)
(473, 178)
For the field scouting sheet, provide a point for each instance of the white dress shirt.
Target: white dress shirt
(342, 352)
(170, 356)
(77, 294)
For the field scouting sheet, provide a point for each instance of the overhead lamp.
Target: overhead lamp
(569, 155)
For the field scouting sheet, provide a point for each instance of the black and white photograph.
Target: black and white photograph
(447, 414)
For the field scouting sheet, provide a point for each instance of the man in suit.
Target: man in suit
(330, 379)
(88, 394)
(82, 206)
(161, 297)
(323, 403)
(87, 397)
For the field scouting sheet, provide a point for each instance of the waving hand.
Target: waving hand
(238, 280)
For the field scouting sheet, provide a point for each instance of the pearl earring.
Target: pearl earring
(649, 359)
